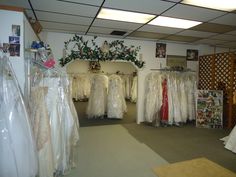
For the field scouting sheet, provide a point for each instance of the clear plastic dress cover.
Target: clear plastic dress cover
(230, 141)
(81, 86)
(134, 89)
(116, 104)
(98, 96)
(17, 146)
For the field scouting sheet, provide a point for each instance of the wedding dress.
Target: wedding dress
(116, 104)
(230, 141)
(98, 96)
(134, 89)
(17, 146)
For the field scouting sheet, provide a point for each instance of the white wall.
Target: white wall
(81, 66)
(9, 18)
(148, 48)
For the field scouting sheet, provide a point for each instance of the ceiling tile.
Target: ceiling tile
(182, 38)
(228, 19)
(147, 35)
(232, 32)
(91, 2)
(64, 7)
(115, 24)
(230, 44)
(192, 13)
(18, 3)
(214, 28)
(200, 34)
(55, 17)
(147, 6)
(65, 27)
(224, 37)
(210, 41)
(159, 29)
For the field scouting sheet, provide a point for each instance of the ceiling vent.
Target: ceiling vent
(118, 33)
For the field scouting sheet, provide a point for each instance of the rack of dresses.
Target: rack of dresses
(54, 120)
(170, 97)
(17, 144)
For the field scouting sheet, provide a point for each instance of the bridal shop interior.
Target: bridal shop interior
(111, 88)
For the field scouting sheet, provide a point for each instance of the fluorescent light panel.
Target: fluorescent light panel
(225, 5)
(125, 16)
(173, 22)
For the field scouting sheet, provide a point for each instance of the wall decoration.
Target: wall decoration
(14, 40)
(78, 48)
(160, 50)
(209, 109)
(192, 55)
(176, 61)
(94, 66)
(15, 30)
(14, 50)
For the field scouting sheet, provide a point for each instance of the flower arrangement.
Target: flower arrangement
(89, 50)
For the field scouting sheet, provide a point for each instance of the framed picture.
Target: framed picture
(15, 30)
(14, 50)
(160, 50)
(209, 111)
(14, 40)
(192, 55)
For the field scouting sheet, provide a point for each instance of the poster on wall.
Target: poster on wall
(14, 50)
(15, 30)
(209, 109)
(160, 50)
(192, 55)
(14, 40)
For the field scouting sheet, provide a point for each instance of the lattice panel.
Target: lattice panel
(223, 73)
(205, 72)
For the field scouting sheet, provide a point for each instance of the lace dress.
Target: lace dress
(116, 104)
(98, 96)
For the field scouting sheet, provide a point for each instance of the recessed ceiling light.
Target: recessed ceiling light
(225, 5)
(173, 22)
(125, 16)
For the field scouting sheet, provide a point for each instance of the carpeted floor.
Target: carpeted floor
(174, 144)
(129, 117)
(110, 151)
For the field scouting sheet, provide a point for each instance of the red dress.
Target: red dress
(164, 107)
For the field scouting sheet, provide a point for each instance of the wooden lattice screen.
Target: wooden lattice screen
(218, 72)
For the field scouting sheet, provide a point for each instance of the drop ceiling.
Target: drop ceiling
(79, 16)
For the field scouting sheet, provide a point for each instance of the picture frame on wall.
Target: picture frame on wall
(192, 55)
(160, 50)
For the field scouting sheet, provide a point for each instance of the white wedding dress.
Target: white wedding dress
(134, 89)
(98, 96)
(116, 105)
(18, 156)
(230, 141)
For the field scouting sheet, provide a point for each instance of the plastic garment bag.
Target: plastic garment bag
(116, 104)
(230, 141)
(98, 96)
(17, 146)
(134, 89)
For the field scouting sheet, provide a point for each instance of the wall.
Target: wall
(80, 66)
(9, 18)
(148, 48)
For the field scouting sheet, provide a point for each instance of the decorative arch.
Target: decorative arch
(89, 50)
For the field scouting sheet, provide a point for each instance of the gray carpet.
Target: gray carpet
(129, 117)
(110, 151)
(172, 143)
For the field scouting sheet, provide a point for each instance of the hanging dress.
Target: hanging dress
(17, 146)
(164, 107)
(98, 96)
(134, 89)
(116, 105)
